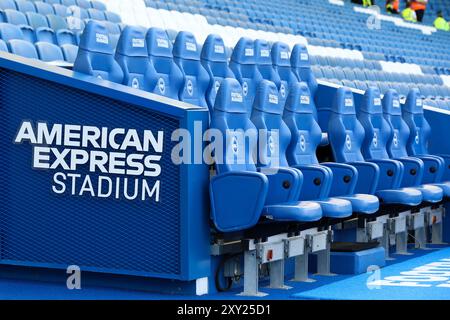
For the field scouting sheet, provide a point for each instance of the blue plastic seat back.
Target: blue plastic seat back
(196, 79)
(274, 135)
(301, 67)
(214, 60)
(243, 65)
(392, 112)
(70, 52)
(61, 10)
(7, 4)
(96, 14)
(49, 52)
(345, 132)
(377, 129)
(22, 48)
(166, 78)
(36, 20)
(305, 131)
(231, 118)
(28, 33)
(14, 17)
(43, 8)
(9, 32)
(419, 128)
(96, 54)
(86, 4)
(3, 46)
(282, 65)
(98, 5)
(112, 17)
(45, 35)
(56, 22)
(132, 56)
(65, 37)
(69, 2)
(25, 6)
(263, 60)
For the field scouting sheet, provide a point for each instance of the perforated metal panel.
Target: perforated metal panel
(39, 227)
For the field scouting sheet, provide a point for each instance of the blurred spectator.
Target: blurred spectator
(367, 3)
(440, 22)
(392, 6)
(409, 14)
(419, 6)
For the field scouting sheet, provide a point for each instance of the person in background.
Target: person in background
(419, 6)
(409, 14)
(367, 3)
(440, 22)
(392, 6)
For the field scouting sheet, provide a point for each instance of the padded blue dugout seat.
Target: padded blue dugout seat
(377, 135)
(132, 56)
(186, 55)
(70, 52)
(96, 54)
(325, 179)
(48, 52)
(165, 76)
(22, 48)
(263, 60)
(240, 194)
(243, 65)
(214, 60)
(267, 116)
(346, 136)
(282, 65)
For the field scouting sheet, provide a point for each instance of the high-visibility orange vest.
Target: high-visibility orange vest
(416, 5)
(395, 4)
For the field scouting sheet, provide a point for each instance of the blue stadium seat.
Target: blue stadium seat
(376, 139)
(43, 8)
(267, 117)
(96, 54)
(7, 4)
(61, 10)
(45, 35)
(69, 3)
(253, 195)
(112, 17)
(22, 48)
(86, 4)
(25, 6)
(36, 20)
(3, 46)
(214, 60)
(65, 37)
(132, 56)
(10, 31)
(186, 55)
(75, 24)
(98, 5)
(282, 65)
(52, 1)
(166, 77)
(243, 65)
(96, 14)
(113, 28)
(263, 61)
(70, 52)
(48, 52)
(14, 17)
(56, 22)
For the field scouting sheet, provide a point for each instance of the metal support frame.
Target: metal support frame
(324, 253)
(400, 229)
(416, 223)
(435, 223)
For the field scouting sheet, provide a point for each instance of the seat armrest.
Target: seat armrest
(433, 168)
(345, 178)
(316, 181)
(413, 172)
(237, 199)
(284, 184)
(368, 176)
(391, 173)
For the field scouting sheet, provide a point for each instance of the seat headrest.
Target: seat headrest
(300, 56)
(372, 101)
(214, 49)
(343, 102)
(391, 103)
(281, 54)
(414, 102)
(132, 42)
(244, 51)
(185, 46)
(95, 38)
(299, 99)
(267, 99)
(262, 52)
(230, 97)
(158, 43)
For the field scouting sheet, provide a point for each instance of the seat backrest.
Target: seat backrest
(45, 35)
(186, 55)
(22, 48)
(15, 17)
(49, 52)
(376, 128)
(36, 20)
(56, 22)
(10, 31)
(3, 46)
(98, 5)
(231, 118)
(264, 62)
(132, 56)
(70, 52)
(7, 4)
(274, 135)
(305, 131)
(61, 10)
(69, 2)
(243, 65)
(282, 65)
(166, 78)
(65, 37)
(96, 54)
(96, 14)
(86, 4)
(345, 133)
(214, 60)
(43, 8)
(25, 6)
(112, 17)
(420, 130)
(392, 112)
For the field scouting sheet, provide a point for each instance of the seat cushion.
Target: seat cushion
(431, 193)
(299, 211)
(445, 186)
(402, 196)
(363, 203)
(336, 208)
